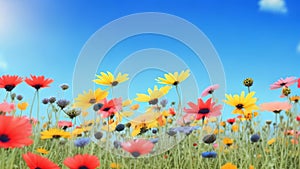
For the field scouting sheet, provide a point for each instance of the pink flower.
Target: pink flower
(299, 83)
(202, 110)
(283, 82)
(64, 124)
(6, 107)
(216, 145)
(138, 147)
(186, 119)
(209, 90)
(110, 107)
(275, 107)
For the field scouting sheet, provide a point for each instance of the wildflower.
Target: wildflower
(135, 107)
(209, 139)
(115, 165)
(87, 99)
(164, 102)
(228, 141)
(298, 118)
(185, 129)
(64, 86)
(73, 113)
(154, 140)
(120, 127)
(84, 161)
(251, 167)
(42, 151)
(174, 78)
(268, 122)
(54, 133)
(110, 107)
(275, 107)
(270, 142)
(202, 110)
(34, 161)
(117, 144)
(223, 123)
(209, 90)
(295, 99)
(45, 101)
(138, 147)
(248, 82)
(64, 124)
(285, 92)
(255, 138)
(98, 135)
(13, 96)
(172, 112)
(52, 100)
(38, 82)
(231, 121)
(9, 82)
(242, 104)
(108, 79)
(153, 95)
(15, 132)
(211, 154)
(81, 142)
(228, 166)
(283, 83)
(62, 103)
(234, 128)
(6, 107)
(299, 83)
(19, 97)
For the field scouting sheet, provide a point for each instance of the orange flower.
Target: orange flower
(38, 82)
(9, 82)
(82, 161)
(34, 161)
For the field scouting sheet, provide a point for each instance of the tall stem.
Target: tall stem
(38, 106)
(31, 107)
(179, 100)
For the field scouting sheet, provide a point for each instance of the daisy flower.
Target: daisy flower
(144, 122)
(204, 110)
(242, 104)
(38, 82)
(54, 133)
(174, 78)
(110, 107)
(153, 95)
(209, 90)
(138, 147)
(295, 99)
(108, 79)
(84, 161)
(15, 132)
(34, 161)
(42, 151)
(87, 99)
(283, 82)
(275, 107)
(9, 82)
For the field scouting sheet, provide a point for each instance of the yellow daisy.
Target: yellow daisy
(174, 78)
(89, 98)
(108, 79)
(42, 151)
(22, 106)
(243, 105)
(54, 133)
(153, 95)
(144, 122)
(115, 165)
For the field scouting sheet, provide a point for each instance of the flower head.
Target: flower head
(204, 109)
(283, 83)
(42, 151)
(72, 113)
(228, 141)
(15, 132)
(84, 161)
(255, 138)
(242, 104)
(87, 99)
(38, 82)
(248, 82)
(153, 95)
(209, 90)
(62, 103)
(174, 78)
(275, 107)
(138, 147)
(108, 79)
(110, 107)
(34, 161)
(81, 142)
(299, 83)
(209, 139)
(22, 106)
(231, 121)
(54, 133)
(228, 166)
(6, 107)
(9, 82)
(209, 154)
(64, 124)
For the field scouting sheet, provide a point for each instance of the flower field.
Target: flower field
(99, 129)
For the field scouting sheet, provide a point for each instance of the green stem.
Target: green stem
(31, 107)
(179, 100)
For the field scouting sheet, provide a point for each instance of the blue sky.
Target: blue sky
(254, 38)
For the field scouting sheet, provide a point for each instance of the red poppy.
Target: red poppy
(34, 161)
(109, 108)
(38, 82)
(231, 121)
(298, 118)
(9, 82)
(64, 124)
(138, 147)
(15, 132)
(202, 110)
(84, 161)
(299, 83)
(172, 111)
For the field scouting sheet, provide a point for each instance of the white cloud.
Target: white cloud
(277, 6)
(298, 48)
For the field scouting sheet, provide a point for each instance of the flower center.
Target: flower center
(106, 109)
(114, 83)
(56, 136)
(38, 168)
(9, 87)
(203, 111)
(282, 84)
(175, 83)
(210, 91)
(83, 167)
(277, 111)
(37, 86)
(135, 154)
(153, 102)
(239, 106)
(4, 138)
(92, 101)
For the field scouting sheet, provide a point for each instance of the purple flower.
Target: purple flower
(185, 129)
(81, 142)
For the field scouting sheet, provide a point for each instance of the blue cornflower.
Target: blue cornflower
(210, 154)
(255, 138)
(81, 142)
